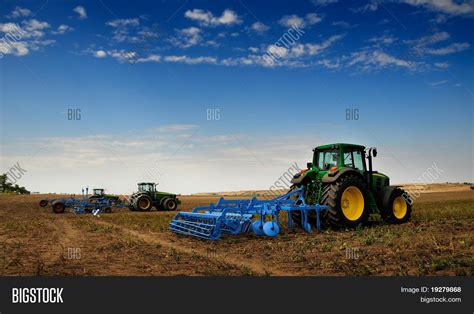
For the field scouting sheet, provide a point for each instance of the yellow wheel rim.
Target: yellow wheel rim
(144, 203)
(352, 203)
(399, 207)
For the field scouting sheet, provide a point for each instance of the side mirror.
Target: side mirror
(374, 152)
(309, 165)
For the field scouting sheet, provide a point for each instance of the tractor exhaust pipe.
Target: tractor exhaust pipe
(371, 152)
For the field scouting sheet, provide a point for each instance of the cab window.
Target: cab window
(354, 159)
(327, 159)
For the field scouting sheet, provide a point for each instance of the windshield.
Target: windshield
(145, 188)
(326, 159)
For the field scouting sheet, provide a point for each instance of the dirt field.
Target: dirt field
(34, 241)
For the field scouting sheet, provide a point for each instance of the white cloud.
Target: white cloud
(34, 24)
(27, 37)
(313, 18)
(259, 27)
(254, 49)
(121, 29)
(10, 27)
(441, 65)
(81, 11)
(312, 49)
(343, 24)
(19, 48)
(299, 22)
(438, 83)
(206, 18)
(452, 48)
(19, 12)
(375, 60)
(430, 39)
(63, 28)
(190, 60)
(323, 3)
(445, 6)
(373, 5)
(422, 45)
(175, 128)
(123, 22)
(187, 37)
(150, 58)
(382, 40)
(100, 54)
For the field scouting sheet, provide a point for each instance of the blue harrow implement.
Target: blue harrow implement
(241, 216)
(83, 205)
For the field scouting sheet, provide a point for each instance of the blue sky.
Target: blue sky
(281, 76)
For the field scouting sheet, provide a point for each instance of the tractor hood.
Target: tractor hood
(165, 194)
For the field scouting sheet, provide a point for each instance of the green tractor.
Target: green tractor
(339, 177)
(148, 197)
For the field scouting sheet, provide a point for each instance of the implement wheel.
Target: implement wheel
(58, 207)
(346, 201)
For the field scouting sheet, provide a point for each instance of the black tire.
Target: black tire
(332, 196)
(393, 212)
(58, 207)
(108, 210)
(170, 204)
(143, 203)
(43, 203)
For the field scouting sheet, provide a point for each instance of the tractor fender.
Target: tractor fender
(334, 176)
(297, 178)
(164, 199)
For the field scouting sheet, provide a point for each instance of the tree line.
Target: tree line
(7, 187)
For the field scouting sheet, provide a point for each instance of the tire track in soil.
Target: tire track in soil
(153, 238)
(68, 237)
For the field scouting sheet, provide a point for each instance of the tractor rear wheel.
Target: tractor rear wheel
(346, 201)
(143, 203)
(170, 204)
(396, 207)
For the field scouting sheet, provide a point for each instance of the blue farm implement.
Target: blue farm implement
(83, 205)
(241, 216)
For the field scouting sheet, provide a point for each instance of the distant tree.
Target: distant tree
(7, 187)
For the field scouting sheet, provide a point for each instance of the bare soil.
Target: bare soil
(34, 241)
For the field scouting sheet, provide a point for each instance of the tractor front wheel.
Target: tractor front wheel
(347, 202)
(170, 204)
(396, 207)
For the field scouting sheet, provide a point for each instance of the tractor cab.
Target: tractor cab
(147, 187)
(98, 192)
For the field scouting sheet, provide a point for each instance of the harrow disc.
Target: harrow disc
(307, 227)
(257, 227)
(271, 228)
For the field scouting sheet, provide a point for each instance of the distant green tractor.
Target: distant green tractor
(339, 178)
(148, 197)
(99, 193)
